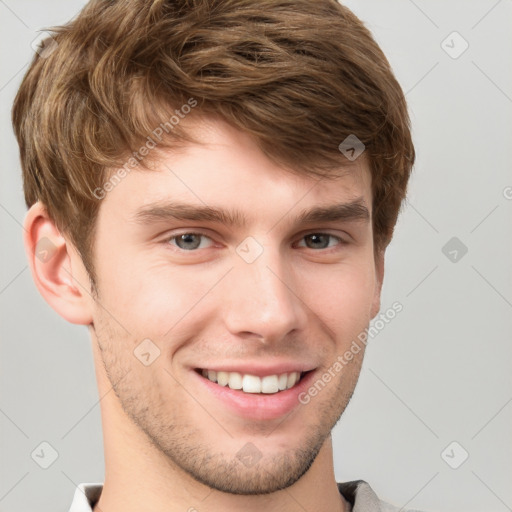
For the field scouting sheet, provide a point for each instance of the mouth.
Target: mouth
(253, 384)
(252, 393)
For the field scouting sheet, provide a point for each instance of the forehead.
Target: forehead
(227, 168)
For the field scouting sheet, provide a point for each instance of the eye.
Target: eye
(188, 241)
(321, 240)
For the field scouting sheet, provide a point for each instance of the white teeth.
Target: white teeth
(251, 383)
(269, 384)
(235, 380)
(222, 378)
(292, 379)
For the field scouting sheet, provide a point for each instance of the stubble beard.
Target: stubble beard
(187, 448)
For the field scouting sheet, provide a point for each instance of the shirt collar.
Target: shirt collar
(357, 493)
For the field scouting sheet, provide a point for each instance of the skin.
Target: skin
(169, 444)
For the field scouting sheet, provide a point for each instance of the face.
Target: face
(219, 270)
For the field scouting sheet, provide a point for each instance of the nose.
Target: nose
(263, 300)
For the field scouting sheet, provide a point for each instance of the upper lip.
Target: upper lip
(259, 369)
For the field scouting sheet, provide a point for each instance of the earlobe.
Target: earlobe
(56, 268)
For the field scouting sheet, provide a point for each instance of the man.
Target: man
(212, 185)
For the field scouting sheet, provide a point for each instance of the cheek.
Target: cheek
(156, 300)
(154, 297)
(341, 297)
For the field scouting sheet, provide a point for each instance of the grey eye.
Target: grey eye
(188, 241)
(318, 240)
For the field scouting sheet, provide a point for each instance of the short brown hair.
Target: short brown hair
(298, 75)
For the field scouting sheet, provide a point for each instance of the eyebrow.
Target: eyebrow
(355, 210)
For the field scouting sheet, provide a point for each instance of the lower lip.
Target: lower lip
(258, 406)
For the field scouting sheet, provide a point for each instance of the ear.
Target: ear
(57, 267)
(379, 274)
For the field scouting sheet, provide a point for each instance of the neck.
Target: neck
(154, 484)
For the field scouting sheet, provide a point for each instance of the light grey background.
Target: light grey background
(439, 372)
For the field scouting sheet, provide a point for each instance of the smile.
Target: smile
(248, 383)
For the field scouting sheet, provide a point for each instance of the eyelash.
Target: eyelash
(341, 241)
